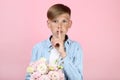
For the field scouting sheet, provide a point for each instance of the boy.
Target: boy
(70, 52)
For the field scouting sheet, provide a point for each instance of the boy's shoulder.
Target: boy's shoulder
(76, 45)
(73, 42)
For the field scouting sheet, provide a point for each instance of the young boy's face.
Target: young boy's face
(60, 25)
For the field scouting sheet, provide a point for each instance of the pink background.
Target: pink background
(96, 25)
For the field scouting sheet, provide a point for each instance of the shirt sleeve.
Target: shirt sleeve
(33, 58)
(34, 54)
(73, 65)
(27, 77)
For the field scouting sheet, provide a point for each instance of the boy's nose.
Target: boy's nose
(60, 25)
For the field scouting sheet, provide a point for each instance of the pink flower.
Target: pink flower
(54, 75)
(61, 74)
(44, 77)
(35, 75)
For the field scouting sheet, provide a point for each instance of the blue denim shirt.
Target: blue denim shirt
(72, 63)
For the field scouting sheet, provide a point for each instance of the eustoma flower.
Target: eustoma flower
(41, 70)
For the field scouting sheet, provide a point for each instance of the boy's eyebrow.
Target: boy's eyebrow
(68, 18)
(63, 18)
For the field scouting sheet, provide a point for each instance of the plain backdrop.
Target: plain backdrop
(96, 26)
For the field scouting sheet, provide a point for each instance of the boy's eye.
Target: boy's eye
(65, 21)
(55, 21)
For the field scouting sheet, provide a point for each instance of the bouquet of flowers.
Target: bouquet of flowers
(41, 70)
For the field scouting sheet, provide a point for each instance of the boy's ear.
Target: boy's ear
(70, 23)
(48, 23)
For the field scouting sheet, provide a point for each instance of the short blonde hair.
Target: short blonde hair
(57, 10)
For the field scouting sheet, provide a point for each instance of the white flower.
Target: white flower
(42, 68)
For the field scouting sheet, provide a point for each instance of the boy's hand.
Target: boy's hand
(58, 43)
